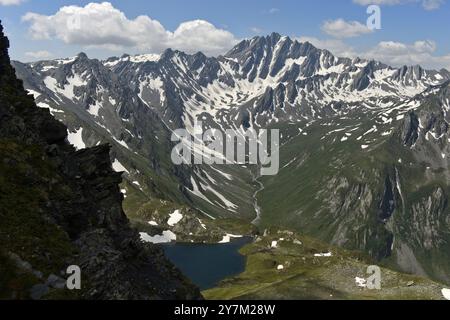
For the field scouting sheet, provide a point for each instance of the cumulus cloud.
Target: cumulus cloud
(398, 53)
(256, 30)
(344, 29)
(103, 26)
(426, 4)
(337, 47)
(200, 35)
(380, 2)
(432, 4)
(10, 2)
(38, 55)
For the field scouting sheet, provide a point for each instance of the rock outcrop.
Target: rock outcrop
(62, 207)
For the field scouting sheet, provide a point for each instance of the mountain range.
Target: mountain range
(364, 146)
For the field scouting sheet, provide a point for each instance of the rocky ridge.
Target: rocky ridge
(62, 207)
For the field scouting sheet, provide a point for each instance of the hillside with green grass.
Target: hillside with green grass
(356, 183)
(286, 265)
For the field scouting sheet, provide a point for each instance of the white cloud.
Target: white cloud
(39, 54)
(337, 47)
(432, 4)
(398, 53)
(426, 4)
(424, 46)
(103, 26)
(200, 35)
(380, 2)
(344, 29)
(10, 2)
(256, 30)
(393, 53)
(274, 10)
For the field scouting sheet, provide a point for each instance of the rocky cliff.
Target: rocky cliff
(62, 207)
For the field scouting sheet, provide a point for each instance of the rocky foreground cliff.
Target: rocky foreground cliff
(62, 207)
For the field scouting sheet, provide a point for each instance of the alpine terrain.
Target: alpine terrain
(364, 160)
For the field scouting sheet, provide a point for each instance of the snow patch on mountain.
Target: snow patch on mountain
(76, 139)
(145, 58)
(53, 111)
(326, 254)
(227, 238)
(94, 108)
(121, 142)
(118, 167)
(166, 237)
(34, 93)
(446, 293)
(67, 90)
(174, 218)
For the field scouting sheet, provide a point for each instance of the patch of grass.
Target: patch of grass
(25, 230)
(305, 276)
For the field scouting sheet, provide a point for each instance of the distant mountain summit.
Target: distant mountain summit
(273, 78)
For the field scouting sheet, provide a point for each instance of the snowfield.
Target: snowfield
(446, 293)
(76, 139)
(227, 238)
(175, 217)
(118, 167)
(166, 237)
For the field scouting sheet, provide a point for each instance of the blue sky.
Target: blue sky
(413, 31)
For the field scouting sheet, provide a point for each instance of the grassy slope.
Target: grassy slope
(308, 277)
(295, 198)
(24, 176)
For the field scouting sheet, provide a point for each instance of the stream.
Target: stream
(258, 210)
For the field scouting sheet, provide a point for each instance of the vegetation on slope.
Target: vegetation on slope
(285, 265)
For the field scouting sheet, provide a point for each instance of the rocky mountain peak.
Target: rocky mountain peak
(82, 56)
(167, 54)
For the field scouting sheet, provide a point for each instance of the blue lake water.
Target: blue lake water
(207, 264)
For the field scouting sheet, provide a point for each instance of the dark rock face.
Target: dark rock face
(387, 205)
(79, 199)
(410, 129)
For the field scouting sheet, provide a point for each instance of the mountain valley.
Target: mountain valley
(364, 158)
